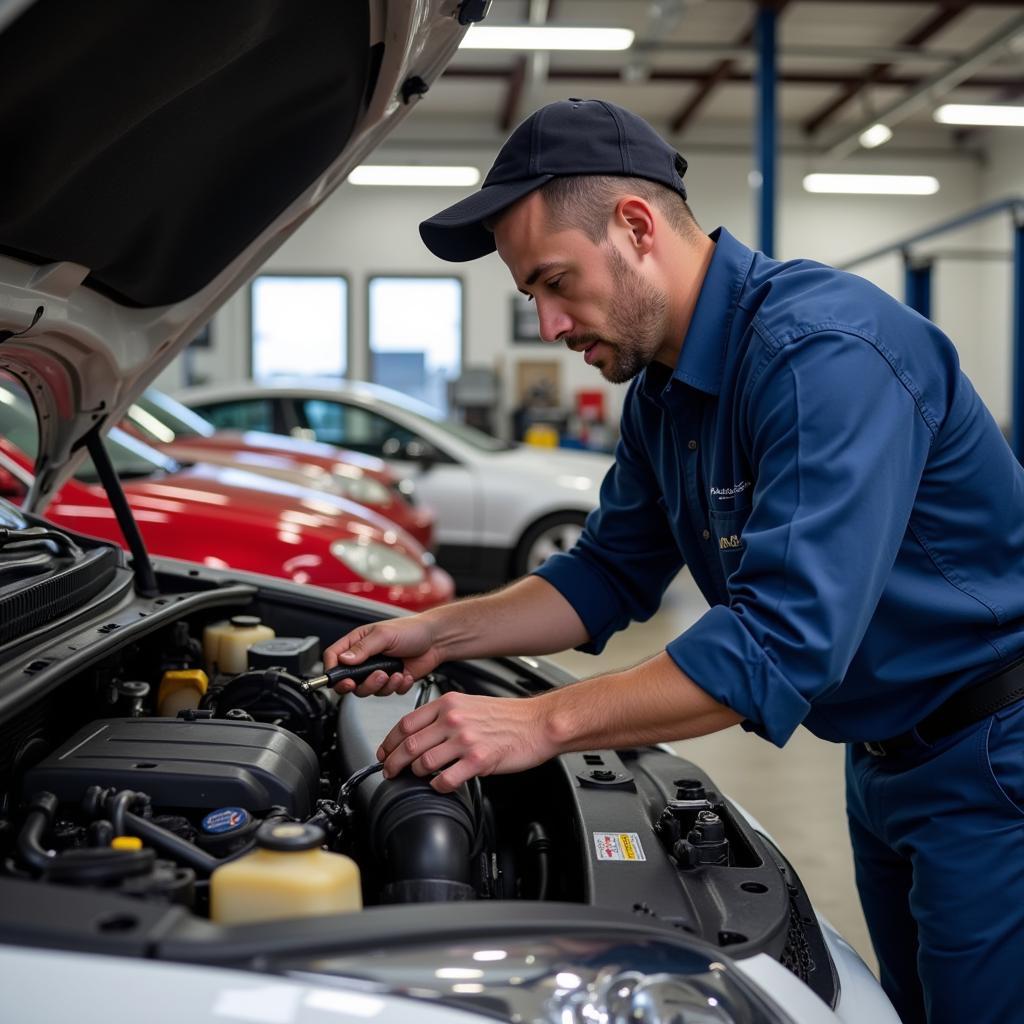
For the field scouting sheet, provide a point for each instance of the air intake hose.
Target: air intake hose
(423, 841)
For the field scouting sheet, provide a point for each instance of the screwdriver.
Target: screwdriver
(357, 672)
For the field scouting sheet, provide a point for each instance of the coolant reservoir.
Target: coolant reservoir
(287, 876)
(225, 643)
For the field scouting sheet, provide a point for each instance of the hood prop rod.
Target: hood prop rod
(145, 579)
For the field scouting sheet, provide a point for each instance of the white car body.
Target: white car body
(500, 509)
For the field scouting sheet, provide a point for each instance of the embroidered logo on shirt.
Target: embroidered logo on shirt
(730, 492)
(732, 541)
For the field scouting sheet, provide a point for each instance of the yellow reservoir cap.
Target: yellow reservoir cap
(179, 689)
(126, 843)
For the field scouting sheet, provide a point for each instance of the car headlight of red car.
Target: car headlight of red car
(378, 562)
(362, 489)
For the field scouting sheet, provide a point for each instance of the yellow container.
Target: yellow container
(287, 876)
(226, 644)
(180, 689)
(541, 435)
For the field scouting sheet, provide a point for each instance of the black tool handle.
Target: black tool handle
(360, 672)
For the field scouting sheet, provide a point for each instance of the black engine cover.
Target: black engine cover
(180, 764)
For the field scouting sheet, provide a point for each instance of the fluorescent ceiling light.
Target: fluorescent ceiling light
(979, 113)
(873, 184)
(545, 37)
(414, 175)
(877, 135)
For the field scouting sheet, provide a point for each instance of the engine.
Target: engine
(179, 778)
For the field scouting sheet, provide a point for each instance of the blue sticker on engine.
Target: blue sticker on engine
(226, 819)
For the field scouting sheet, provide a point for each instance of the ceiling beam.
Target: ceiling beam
(742, 52)
(938, 21)
(583, 75)
(513, 95)
(720, 73)
(530, 69)
(934, 88)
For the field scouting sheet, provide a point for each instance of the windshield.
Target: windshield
(474, 437)
(130, 458)
(424, 411)
(161, 419)
(463, 432)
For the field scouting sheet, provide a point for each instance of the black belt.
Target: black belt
(959, 711)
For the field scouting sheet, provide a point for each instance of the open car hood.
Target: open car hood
(160, 153)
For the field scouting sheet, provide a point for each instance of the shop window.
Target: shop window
(299, 326)
(415, 335)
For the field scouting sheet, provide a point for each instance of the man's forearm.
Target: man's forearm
(654, 702)
(527, 617)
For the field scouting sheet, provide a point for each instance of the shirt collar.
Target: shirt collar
(702, 358)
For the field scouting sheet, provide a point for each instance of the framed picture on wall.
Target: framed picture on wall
(538, 383)
(525, 325)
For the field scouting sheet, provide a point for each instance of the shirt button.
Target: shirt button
(706, 535)
(692, 446)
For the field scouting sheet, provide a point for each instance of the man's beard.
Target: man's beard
(635, 323)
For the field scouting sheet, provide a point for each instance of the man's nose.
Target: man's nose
(554, 324)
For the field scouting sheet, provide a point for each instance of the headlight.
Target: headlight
(378, 562)
(579, 978)
(407, 489)
(362, 489)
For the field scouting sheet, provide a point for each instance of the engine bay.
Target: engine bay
(162, 757)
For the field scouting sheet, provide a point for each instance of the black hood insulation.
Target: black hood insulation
(152, 142)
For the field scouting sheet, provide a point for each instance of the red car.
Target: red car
(186, 437)
(225, 517)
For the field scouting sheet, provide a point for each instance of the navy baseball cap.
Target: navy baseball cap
(566, 138)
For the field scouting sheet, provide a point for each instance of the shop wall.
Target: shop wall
(363, 231)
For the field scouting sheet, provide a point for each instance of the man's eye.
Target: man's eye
(555, 283)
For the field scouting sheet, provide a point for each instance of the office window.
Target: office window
(299, 326)
(416, 335)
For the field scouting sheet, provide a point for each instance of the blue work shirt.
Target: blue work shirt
(840, 493)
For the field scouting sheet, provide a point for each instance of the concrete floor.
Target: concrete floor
(795, 793)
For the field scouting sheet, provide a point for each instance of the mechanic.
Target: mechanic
(809, 448)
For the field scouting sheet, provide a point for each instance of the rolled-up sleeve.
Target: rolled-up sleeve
(838, 441)
(626, 556)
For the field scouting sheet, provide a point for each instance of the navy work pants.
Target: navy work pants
(938, 841)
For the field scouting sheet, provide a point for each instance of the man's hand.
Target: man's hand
(412, 639)
(468, 736)
(462, 736)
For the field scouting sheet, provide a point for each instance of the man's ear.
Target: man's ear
(636, 216)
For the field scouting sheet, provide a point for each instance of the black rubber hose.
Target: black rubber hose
(538, 843)
(42, 808)
(116, 804)
(423, 840)
(167, 842)
(119, 806)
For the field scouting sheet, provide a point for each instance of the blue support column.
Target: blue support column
(1017, 408)
(918, 284)
(766, 126)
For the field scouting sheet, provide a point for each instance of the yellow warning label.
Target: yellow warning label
(618, 846)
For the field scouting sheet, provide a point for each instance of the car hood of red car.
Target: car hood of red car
(208, 493)
(236, 495)
(294, 451)
(163, 159)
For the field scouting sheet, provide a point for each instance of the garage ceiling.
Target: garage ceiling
(691, 70)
